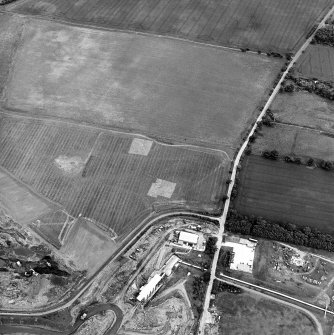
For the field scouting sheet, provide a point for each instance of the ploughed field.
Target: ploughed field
(267, 25)
(286, 192)
(317, 62)
(169, 89)
(115, 179)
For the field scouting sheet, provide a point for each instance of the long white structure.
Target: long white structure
(148, 290)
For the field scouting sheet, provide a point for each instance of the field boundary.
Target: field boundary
(114, 130)
(92, 26)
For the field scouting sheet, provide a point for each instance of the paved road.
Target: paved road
(91, 311)
(222, 219)
(134, 236)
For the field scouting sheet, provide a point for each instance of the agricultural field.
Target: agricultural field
(87, 246)
(20, 203)
(304, 109)
(169, 89)
(251, 313)
(295, 141)
(316, 62)
(114, 179)
(259, 25)
(11, 29)
(286, 192)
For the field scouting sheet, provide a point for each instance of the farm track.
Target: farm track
(255, 25)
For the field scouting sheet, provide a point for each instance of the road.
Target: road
(222, 219)
(91, 311)
(145, 224)
(141, 228)
(285, 296)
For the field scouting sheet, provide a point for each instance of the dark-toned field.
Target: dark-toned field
(267, 25)
(285, 192)
(317, 62)
(110, 178)
(305, 109)
(165, 88)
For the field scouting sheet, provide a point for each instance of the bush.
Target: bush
(210, 247)
(248, 151)
(273, 155)
(310, 162)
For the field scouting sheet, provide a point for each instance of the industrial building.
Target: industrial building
(188, 239)
(147, 291)
(243, 253)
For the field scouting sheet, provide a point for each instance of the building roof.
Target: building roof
(168, 267)
(188, 237)
(244, 252)
(146, 290)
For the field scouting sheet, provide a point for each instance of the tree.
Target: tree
(310, 162)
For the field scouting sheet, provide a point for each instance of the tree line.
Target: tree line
(322, 88)
(279, 231)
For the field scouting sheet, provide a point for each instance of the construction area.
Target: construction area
(289, 270)
(164, 279)
(31, 274)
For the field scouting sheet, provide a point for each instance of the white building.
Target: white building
(188, 239)
(148, 290)
(243, 253)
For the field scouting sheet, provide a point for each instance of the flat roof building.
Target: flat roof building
(243, 253)
(188, 238)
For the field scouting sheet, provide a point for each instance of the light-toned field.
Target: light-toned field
(305, 109)
(169, 89)
(248, 313)
(11, 28)
(268, 25)
(18, 202)
(292, 140)
(112, 185)
(317, 62)
(87, 246)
